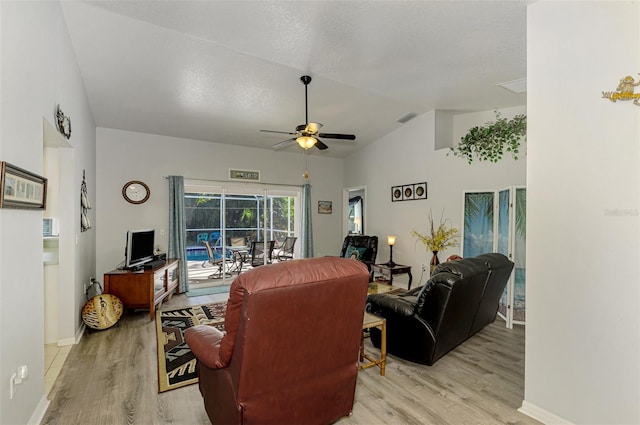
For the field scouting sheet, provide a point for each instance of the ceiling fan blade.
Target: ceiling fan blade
(282, 144)
(279, 132)
(337, 136)
(320, 145)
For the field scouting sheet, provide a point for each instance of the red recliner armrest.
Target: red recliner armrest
(204, 342)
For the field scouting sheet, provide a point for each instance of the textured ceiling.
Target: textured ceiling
(222, 70)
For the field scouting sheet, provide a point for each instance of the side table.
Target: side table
(385, 269)
(373, 321)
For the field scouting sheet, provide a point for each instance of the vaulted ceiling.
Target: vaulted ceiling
(220, 71)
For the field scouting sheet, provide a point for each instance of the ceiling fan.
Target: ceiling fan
(307, 135)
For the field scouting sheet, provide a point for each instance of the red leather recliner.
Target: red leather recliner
(291, 348)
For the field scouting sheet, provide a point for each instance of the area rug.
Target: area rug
(176, 362)
(209, 290)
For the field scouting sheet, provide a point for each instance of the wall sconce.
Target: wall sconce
(391, 240)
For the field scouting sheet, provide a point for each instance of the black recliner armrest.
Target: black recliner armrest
(399, 304)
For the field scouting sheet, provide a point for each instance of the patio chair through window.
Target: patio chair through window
(285, 251)
(228, 259)
(258, 252)
(215, 260)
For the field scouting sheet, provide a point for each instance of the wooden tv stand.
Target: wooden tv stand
(145, 288)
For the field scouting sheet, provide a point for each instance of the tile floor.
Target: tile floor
(54, 358)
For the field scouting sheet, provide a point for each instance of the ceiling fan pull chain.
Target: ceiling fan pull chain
(306, 168)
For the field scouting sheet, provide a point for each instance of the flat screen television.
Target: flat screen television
(139, 248)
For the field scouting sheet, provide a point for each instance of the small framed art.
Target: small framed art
(407, 192)
(20, 188)
(396, 193)
(420, 190)
(325, 207)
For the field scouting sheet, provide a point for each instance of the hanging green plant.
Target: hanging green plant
(489, 142)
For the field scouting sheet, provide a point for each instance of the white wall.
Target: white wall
(583, 235)
(408, 156)
(37, 71)
(124, 155)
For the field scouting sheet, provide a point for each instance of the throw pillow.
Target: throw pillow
(354, 252)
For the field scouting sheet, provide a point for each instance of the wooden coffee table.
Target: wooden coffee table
(373, 321)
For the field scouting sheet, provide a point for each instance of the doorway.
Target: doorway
(58, 277)
(355, 210)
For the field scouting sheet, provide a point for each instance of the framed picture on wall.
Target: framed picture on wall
(325, 207)
(420, 190)
(396, 193)
(407, 192)
(20, 188)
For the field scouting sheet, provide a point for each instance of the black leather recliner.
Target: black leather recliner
(362, 248)
(459, 299)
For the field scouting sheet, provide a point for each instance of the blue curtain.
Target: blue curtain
(306, 240)
(177, 226)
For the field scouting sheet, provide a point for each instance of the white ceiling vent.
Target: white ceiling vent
(516, 86)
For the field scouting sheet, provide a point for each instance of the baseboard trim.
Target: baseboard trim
(71, 341)
(80, 332)
(66, 341)
(542, 415)
(41, 409)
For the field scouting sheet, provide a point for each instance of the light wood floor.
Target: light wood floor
(110, 378)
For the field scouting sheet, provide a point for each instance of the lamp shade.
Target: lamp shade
(306, 142)
(391, 240)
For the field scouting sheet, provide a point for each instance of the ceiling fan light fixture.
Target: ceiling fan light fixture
(313, 127)
(306, 142)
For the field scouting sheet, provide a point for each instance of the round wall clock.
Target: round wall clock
(136, 192)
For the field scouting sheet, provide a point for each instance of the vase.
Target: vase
(434, 262)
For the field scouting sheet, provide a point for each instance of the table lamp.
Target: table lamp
(391, 240)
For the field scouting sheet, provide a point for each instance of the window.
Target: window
(224, 215)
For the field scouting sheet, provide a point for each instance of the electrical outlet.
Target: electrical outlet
(17, 378)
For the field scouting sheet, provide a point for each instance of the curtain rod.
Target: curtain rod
(241, 182)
